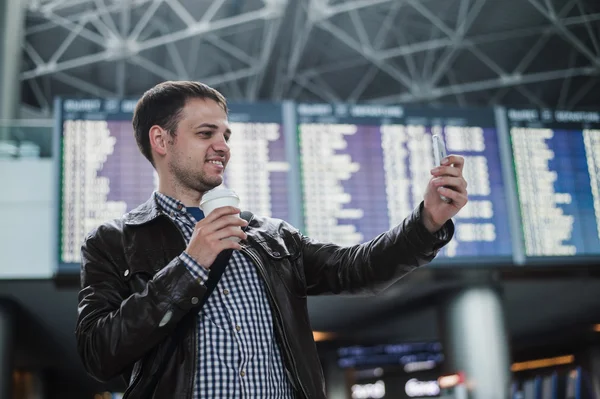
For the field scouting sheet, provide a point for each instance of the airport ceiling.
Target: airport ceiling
(467, 52)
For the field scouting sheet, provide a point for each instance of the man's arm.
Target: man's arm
(380, 262)
(116, 328)
(375, 265)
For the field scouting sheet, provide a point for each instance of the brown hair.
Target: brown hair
(162, 106)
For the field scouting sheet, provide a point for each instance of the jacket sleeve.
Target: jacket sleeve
(375, 265)
(115, 328)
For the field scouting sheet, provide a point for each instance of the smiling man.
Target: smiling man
(144, 275)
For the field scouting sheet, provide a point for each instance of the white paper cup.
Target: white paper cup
(218, 198)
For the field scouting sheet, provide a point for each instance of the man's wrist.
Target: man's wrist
(198, 271)
(431, 225)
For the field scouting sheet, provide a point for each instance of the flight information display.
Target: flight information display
(557, 167)
(103, 174)
(366, 167)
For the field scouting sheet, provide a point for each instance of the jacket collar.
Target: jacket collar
(144, 213)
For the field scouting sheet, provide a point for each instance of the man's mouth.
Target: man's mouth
(219, 163)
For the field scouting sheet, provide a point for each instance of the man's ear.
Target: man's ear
(158, 139)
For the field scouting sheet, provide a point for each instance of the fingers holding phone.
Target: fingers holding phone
(447, 190)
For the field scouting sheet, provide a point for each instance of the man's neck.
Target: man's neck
(187, 196)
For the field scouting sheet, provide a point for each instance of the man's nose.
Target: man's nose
(220, 144)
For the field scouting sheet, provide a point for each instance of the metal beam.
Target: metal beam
(588, 28)
(302, 30)
(65, 45)
(386, 25)
(75, 17)
(480, 39)
(174, 54)
(52, 6)
(566, 84)
(321, 92)
(154, 68)
(460, 98)
(39, 94)
(181, 12)
(435, 21)
(134, 48)
(566, 34)
(229, 76)
(487, 61)
(268, 44)
(495, 83)
(230, 49)
(584, 89)
(531, 97)
(354, 5)
(75, 27)
(202, 28)
(347, 40)
(466, 20)
(106, 17)
(124, 27)
(359, 27)
(363, 84)
(82, 85)
(442, 43)
(212, 11)
(33, 54)
(540, 43)
(144, 20)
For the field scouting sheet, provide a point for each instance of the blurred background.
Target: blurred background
(333, 103)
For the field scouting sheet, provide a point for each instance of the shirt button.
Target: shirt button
(276, 253)
(243, 373)
(172, 214)
(194, 300)
(226, 292)
(238, 328)
(126, 273)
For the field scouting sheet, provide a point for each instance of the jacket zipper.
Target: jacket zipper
(136, 379)
(278, 316)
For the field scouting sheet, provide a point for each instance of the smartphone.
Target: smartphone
(439, 153)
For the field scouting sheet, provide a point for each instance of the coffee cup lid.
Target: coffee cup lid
(217, 193)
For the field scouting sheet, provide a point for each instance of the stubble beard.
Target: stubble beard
(197, 181)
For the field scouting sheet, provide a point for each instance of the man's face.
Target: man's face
(198, 154)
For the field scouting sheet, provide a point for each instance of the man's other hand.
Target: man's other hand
(448, 181)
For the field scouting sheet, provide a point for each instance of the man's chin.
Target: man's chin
(209, 184)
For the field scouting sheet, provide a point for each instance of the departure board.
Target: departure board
(103, 175)
(365, 168)
(557, 167)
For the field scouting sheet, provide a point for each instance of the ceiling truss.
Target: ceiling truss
(268, 51)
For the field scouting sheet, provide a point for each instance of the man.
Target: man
(144, 273)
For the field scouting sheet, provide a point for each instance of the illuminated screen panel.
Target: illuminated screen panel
(365, 168)
(103, 175)
(408, 370)
(557, 167)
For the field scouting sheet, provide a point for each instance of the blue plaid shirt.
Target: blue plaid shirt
(238, 354)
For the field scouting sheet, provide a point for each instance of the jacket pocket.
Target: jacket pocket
(287, 263)
(142, 265)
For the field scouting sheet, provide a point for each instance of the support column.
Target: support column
(335, 377)
(7, 327)
(12, 29)
(593, 366)
(475, 340)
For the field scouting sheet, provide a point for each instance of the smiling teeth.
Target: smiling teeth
(217, 162)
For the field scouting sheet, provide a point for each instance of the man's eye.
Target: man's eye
(227, 138)
(205, 133)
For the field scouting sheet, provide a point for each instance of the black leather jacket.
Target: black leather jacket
(135, 290)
